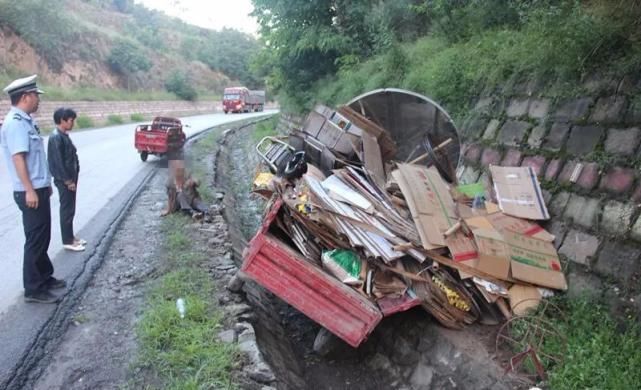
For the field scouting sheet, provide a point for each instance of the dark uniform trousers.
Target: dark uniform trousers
(67, 211)
(37, 267)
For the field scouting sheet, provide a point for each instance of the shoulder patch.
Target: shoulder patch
(17, 116)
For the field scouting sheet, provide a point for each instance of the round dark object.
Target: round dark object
(296, 166)
(143, 156)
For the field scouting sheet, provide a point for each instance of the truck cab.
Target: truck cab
(235, 99)
(241, 99)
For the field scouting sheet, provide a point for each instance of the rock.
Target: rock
(583, 139)
(512, 132)
(238, 309)
(579, 247)
(622, 141)
(227, 336)
(490, 157)
(405, 354)
(536, 137)
(620, 261)
(617, 217)
(325, 342)
(583, 211)
(553, 169)
(539, 108)
(249, 317)
(247, 335)
(517, 107)
(574, 110)
(618, 180)
(609, 109)
(261, 373)
(583, 283)
(422, 377)
(490, 130)
(214, 241)
(380, 362)
(236, 283)
(250, 347)
(556, 137)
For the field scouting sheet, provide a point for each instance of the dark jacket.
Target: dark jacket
(63, 158)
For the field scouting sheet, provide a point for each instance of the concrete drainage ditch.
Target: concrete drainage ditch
(406, 351)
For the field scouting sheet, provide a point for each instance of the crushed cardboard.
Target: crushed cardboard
(518, 192)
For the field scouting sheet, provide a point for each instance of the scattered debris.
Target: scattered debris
(359, 234)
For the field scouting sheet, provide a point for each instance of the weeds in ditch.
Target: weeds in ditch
(591, 349)
(184, 352)
(265, 128)
(601, 352)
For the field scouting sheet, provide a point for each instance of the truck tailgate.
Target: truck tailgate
(338, 308)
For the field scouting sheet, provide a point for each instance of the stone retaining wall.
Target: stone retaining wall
(100, 111)
(587, 155)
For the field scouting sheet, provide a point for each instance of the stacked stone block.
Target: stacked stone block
(587, 153)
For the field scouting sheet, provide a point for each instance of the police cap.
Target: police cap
(25, 84)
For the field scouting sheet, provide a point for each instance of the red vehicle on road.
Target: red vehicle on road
(241, 99)
(159, 137)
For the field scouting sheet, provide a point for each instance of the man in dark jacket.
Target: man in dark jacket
(65, 167)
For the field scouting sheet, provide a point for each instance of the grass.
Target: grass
(84, 122)
(184, 353)
(598, 352)
(136, 117)
(265, 128)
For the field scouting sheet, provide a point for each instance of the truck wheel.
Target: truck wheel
(143, 156)
(226, 112)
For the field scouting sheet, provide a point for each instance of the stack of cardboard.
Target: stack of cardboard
(415, 235)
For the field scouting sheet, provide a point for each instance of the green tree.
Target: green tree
(127, 59)
(308, 41)
(179, 84)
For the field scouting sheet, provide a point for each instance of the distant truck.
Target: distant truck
(241, 99)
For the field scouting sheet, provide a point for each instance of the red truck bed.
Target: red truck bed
(274, 265)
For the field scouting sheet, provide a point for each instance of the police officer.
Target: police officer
(26, 162)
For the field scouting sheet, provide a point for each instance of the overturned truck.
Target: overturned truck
(366, 218)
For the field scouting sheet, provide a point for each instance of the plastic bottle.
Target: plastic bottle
(180, 305)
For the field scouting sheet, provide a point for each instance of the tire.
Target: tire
(143, 156)
(226, 112)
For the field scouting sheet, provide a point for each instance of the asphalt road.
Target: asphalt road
(108, 162)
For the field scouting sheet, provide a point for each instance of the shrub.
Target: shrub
(179, 84)
(115, 120)
(83, 122)
(137, 117)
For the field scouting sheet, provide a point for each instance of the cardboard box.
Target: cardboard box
(502, 222)
(535, 261)
(461, 247)
(429, 200)
(494, 257)
(518, 192)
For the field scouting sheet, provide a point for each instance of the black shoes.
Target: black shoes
(40, 296)
(54, 284)
(44, 295)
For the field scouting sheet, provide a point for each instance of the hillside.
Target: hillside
(115, 44)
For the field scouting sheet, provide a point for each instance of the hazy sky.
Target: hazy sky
(214, 14)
